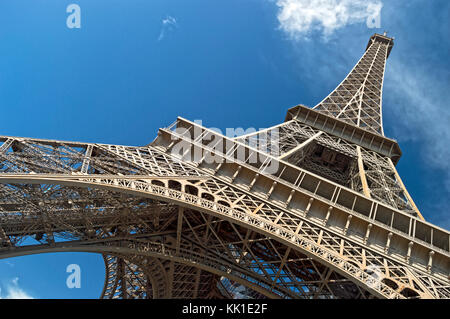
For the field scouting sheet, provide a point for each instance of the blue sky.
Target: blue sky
(135, 65)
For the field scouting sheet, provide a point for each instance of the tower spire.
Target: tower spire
(342, 138)
(357, 100)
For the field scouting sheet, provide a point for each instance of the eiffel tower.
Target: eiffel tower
(310, 208)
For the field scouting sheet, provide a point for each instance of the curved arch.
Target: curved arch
(409, 293)
(127, 247)
(158, 183)
(208, 196)
(224, 203)
(390, 283)
(190, 189)
(173, 184)
(256, 223)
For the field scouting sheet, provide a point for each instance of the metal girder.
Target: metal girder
(216, 189)
(332, 220)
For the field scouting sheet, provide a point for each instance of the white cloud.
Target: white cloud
(299, 17)
(169, 20)
(15, 281)
(13, 291)
(169, 23)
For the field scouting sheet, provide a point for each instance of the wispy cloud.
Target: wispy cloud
(168, 24)
(13, 291)
(421, 102)
(298, 18)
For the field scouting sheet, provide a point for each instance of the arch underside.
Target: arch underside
(168, 230)
(205, 257)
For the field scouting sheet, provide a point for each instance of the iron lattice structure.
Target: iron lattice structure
(331, 220)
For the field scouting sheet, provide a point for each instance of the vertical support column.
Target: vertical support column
(408, 254)
(308, 207)
(388, 242)
(362, 173)
(430, 260)
(347, 224)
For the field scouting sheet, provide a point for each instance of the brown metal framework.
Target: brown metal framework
(333, 220)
